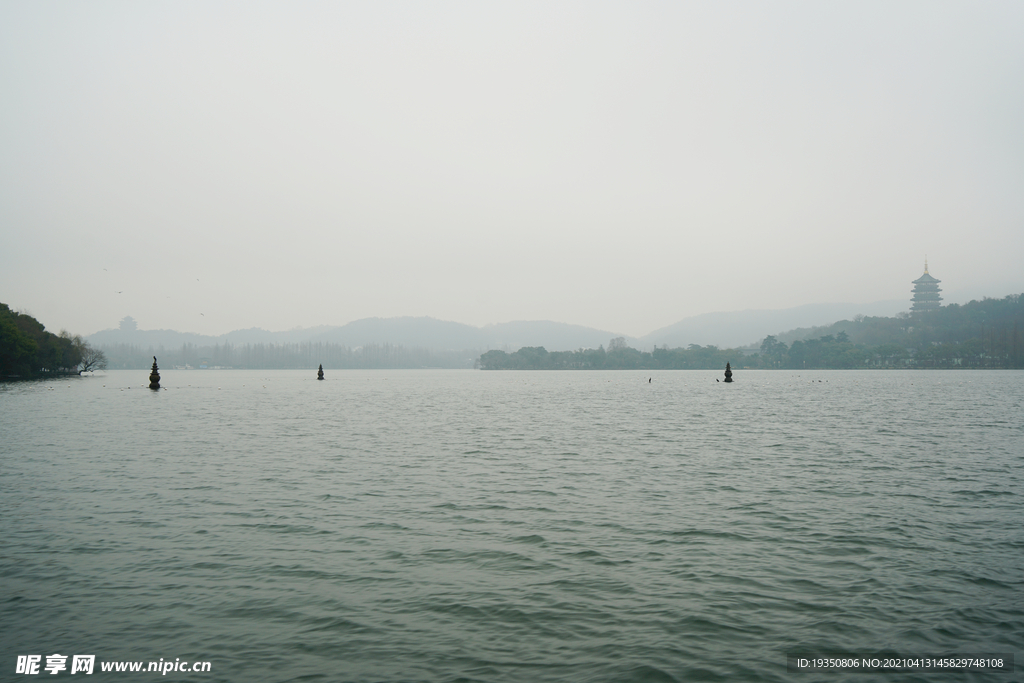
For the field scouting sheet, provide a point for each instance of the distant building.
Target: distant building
(926, 292)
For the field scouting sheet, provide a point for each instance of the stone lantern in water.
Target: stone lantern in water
(154, 376)
(320, 372)
(728, 373)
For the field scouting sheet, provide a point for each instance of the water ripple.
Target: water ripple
(468, 526)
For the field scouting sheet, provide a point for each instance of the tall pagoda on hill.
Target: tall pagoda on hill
(926, 292)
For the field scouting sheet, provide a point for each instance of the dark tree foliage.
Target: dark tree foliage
(90, 359)
(28, 350)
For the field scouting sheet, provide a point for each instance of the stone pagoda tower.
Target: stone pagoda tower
(154, 376)
(926, 292)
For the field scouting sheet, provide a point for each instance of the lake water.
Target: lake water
(512, 526)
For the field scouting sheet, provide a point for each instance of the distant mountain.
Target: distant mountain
(256, 335)
(409, 332)
(745, 328)
(427, 333)
(151, 338)
(552, 336)
(725, 330)
(442, 334)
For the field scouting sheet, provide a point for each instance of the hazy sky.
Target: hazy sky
(208, 166)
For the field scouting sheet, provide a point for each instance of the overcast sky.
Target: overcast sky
(209, 166)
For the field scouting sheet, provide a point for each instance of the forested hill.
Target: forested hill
(987, 320)
(741, 328)
(28, 350)
(980, 334)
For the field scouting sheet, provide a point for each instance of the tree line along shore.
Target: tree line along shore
(980, 334)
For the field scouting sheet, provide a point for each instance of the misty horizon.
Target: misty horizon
(895, 305)
(616, 166)
(328, 326)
